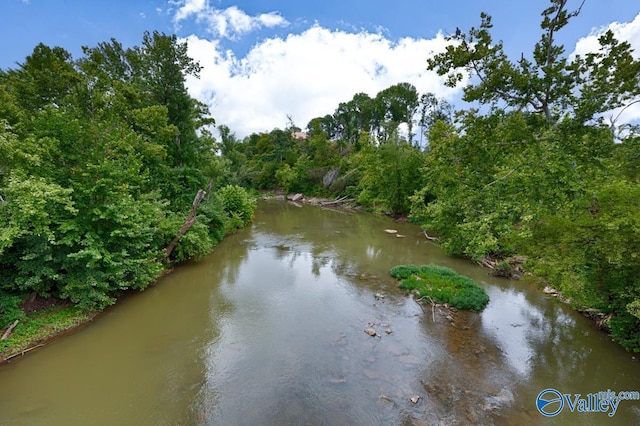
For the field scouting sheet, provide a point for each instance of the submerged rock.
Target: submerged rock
(371, 332)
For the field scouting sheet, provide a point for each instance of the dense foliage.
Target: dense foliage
(441, 285)
(541, 172)
(101, 159)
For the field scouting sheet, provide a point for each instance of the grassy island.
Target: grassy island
(442, 285)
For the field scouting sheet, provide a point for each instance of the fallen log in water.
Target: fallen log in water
(340, 200)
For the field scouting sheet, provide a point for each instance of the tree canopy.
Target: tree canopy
(102, 158)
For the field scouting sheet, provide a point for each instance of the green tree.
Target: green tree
(390, 173)
(549, 83)
(45, 78)
(100, 158)
(146, 86)
(395, 105)
(432, 110)
(539, 171)
(357, 115)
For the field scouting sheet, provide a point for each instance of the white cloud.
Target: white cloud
(224, 23)
(623, 31)
(627, 31)
(306, 75)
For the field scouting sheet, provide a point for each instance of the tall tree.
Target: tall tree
(45, 78)
(549, 83)
(432, 110)
(162, 67)
(395, 105)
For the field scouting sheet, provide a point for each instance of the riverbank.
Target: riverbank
(49, 319)
(298, 198)
(46, 320)
(33, 321)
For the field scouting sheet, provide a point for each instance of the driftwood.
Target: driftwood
(21, 353)
(191, 219)
(488, 263)
(429, 237)
(431, 302)
(9, 330)
(340, 200)
(295, 197)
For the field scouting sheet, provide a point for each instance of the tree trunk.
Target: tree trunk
(9, 330)
(191, 219)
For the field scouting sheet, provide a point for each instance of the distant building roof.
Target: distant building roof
(299, 135)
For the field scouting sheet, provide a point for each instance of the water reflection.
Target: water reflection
(515, 327)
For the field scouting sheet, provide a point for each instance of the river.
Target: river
(269, 330)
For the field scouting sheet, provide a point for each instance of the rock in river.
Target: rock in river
(371, 332)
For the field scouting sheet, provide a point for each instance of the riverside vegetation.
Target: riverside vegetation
(101, 160)
(103, 155)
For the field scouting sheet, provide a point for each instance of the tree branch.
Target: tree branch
(500, 178)
(9, 330)
(612, 120)
(191, 219)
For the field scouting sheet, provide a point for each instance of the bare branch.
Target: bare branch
(614, 120)
(500, 178)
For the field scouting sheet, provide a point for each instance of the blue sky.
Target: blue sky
(265, 60)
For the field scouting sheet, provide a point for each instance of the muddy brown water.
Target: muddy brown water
(269, 330)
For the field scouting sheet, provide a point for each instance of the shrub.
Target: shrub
(236, 201)
(286, 177)
(441, 284)
(194, 244)
(10, 310)
(624, 330)
(213, 216)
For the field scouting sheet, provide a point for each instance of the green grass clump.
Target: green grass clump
(41, 326)
(441, 284)
(402, 272)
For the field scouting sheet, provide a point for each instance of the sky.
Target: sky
(264, 61)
